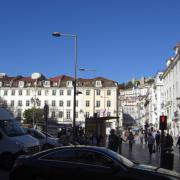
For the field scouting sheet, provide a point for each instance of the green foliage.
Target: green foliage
(150, 81)
(28, 115)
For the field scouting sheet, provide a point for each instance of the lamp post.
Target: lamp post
(34, 101)
(58, 34)
(94, 74)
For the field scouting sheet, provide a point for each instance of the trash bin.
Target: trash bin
(167, 159)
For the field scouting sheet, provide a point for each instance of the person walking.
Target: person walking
(178, 143)
(150, 141)
(130, 138)
(120, 143)
(113, 141)
(158, 140)
(168, 141)
(141, 136)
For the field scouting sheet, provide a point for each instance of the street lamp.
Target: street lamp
(58, 34)
(34, 101)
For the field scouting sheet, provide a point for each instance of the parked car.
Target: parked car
(45, 143)
(13, 140)
(84, 162)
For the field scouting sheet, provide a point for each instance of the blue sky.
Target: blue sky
(121, 39)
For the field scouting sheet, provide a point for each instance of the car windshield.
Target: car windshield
(122, 159)
(11, 128)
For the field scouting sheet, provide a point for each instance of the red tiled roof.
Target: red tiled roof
(56, 78)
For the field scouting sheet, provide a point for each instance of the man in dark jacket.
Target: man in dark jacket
(168, 141)
(113, 141)
(178, 143)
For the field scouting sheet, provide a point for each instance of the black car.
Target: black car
(84, 162)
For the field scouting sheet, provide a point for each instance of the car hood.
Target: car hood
(158, 170)
(26, 140)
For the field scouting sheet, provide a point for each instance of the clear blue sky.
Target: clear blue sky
(121, 39)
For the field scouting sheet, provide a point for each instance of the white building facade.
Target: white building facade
(171, 79)
(98, 95)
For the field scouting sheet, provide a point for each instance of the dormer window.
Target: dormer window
(55, 84)
(98, 84)
(21, 84)
(47, 84)
(69, 84)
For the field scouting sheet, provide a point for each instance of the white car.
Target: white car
(45, 141)
(13, 140)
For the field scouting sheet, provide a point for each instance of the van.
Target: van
(13, 140)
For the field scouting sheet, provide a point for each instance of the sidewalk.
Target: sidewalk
(140, 154)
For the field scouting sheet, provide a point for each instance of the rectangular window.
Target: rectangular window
(68, 103)
(12, 103)
(19, 103)
(20, 92)
(68, 92)
(39, 92)
(61, 103)
(60, 114)
(27, 92)
(13, 92)
(53, 114)
(108, 103)
(39, 103)
(46, 92)
(87, 114)
(53, 103)
(76, 103)
(97, 103)
(87, 92)
(27, 103)
(5, 92)
(68, 115)
(61, 92)
(87, 103)
(76, 114)
(98, 92)
(108, 92)
(108, 114)
(53, 92)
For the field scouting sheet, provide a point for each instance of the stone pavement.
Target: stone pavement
(140, 154)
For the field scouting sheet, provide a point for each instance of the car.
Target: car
(45, 142)
(13, 140)
(84, 162)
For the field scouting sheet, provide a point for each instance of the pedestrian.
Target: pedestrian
(120, 143)
(145, 137)
(168, 141)
(150, 141)
(158, 140)
(130, 138)
(178, 143)
(113, 141)
(141, 136)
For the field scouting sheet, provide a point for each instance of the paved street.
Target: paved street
(140, 154)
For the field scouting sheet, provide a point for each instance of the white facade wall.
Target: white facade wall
(171, 93)
(45, 94)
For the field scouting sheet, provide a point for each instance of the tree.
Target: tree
(38, 115)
